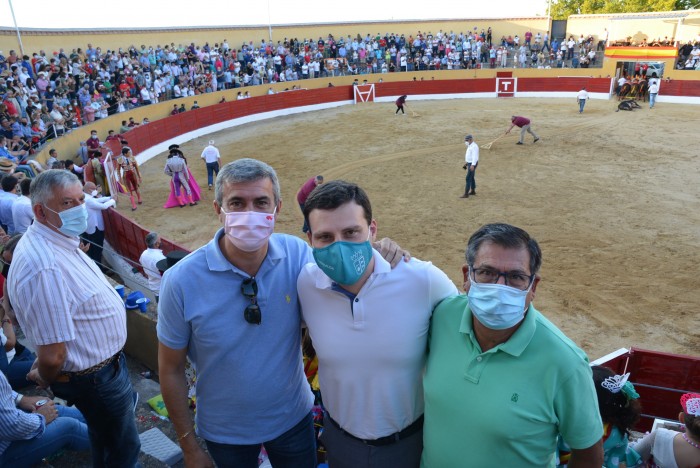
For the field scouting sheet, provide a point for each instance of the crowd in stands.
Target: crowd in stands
(63, 90)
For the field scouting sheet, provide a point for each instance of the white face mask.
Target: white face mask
(497, 306)
(94, 193)
(249, 230)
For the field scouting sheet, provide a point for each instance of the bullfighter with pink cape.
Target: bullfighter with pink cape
(183, 186)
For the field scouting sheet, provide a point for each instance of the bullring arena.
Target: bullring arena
(612, 198)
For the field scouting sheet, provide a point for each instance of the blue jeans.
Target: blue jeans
(296, 448)
(652, 100)
(471, 179)
(581, 105)
(106, 400)
(67, 432)
(211, 169)
(17, 370)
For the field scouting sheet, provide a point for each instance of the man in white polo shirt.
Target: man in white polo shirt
(369, 326)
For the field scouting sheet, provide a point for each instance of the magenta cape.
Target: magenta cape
(194, 187)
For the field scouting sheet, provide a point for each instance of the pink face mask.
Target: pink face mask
(249, 230)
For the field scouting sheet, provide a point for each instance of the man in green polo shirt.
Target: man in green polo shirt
(502, 382)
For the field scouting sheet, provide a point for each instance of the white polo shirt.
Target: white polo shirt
(372, 349)
(211, 154)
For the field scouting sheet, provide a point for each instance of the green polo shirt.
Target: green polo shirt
(504, 407)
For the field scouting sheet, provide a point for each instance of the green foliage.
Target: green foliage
(562, 9)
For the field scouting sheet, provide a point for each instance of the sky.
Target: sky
(68, 14)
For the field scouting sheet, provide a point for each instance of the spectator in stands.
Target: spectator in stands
(15, 360)
(94, 235)
(148, 260)
(83, 152)
(29, 432)
(8, 196)
(79, 353)
(504, 341)
(70, 166)
(22, 215)
(666, 447)
(93, 145)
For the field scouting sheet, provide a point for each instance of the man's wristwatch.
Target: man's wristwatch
(18, 399)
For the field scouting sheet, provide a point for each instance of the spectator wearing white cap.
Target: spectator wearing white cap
(212, 158)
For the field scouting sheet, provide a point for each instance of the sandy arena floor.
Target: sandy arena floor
(612, 198)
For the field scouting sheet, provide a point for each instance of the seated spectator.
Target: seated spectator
(30, 432)
(149, 258)
(8, 195)
(15, 360)
(664, 447)
(22, 214)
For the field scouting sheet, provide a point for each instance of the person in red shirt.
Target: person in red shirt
(400, 103)
(524, 124)
(93, 144)
(304, 192)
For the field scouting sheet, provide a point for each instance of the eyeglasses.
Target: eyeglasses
(252, 314)
(514, 279)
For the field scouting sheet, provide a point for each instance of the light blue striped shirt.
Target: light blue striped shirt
(15, 424)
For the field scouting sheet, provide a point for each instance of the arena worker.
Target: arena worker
(524, 124)
(471, 160)
(212, 159)
(249, 333)
(400, 103)
(148, 260)
(304, 192)
(501, 381)
(356, 307)
(581, 99)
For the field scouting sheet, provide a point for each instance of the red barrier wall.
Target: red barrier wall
(127, 237)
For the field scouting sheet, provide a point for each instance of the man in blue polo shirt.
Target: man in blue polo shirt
(243, 335)
(502, 382)
(232, 308)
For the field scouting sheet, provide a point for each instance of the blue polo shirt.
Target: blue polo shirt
(251, 386)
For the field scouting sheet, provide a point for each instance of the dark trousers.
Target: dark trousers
(471, 179)
(105, 398)
(296, 448)
(212, 168)
(96, 241)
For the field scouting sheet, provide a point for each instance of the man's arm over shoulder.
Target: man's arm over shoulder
(441, 286)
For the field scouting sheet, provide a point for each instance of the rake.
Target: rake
(488, 145)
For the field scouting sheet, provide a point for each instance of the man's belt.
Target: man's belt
(66, 376)
(414, 427)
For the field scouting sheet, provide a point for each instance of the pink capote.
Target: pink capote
(194, 188)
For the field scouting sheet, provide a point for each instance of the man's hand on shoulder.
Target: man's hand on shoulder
(391, 251)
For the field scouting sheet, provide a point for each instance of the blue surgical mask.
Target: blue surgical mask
(497, 306)
(344, 262)
(73, 220)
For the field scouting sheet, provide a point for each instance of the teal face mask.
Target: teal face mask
(344, 262)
